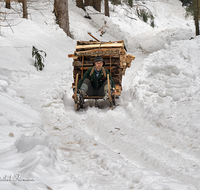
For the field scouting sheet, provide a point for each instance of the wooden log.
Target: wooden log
(77, 63)
(70, 55)
(97, 49)
(95, 42)
(129, 58)
(93, 46)
(93, 36)
(92, 57)
(100, 52)
(87, 42)
(122, 61)
(105, 58)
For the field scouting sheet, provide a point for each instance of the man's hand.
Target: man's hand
(73, 96)
(114, 91)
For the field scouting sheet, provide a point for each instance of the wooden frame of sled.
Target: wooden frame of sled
(115, 58)
(79, 103)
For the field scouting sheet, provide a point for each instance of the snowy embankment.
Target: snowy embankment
(151, 141)
(27, 155)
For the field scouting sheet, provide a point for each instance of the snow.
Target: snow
(150, 142)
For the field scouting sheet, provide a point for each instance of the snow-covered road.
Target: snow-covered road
(109, 147)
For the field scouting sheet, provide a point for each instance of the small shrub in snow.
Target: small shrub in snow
(146, 15)
(152, 24)
(39, 59)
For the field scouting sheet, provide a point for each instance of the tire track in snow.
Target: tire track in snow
(88, 159)
(143, 144)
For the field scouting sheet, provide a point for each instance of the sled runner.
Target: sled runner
(116, 61)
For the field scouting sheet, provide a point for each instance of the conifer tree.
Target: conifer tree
(39, 59)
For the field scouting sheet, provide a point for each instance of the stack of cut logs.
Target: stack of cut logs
(113, 53)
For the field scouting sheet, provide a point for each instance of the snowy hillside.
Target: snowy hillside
(149, 142)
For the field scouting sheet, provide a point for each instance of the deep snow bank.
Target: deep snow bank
(23, 144)
(169, 76)
(27, 155)
(166, 91)
(123, 24)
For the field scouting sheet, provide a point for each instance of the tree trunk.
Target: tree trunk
(61, 12)
(106, 8)
(97, 5)
(196, 16)
(8, 4)
(79, 3)
(88, 3)
(25, 14)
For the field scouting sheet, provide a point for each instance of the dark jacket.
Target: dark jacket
(96, 82)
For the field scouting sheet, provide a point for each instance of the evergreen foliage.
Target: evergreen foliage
(116, 2)
(146, 16)
(190, 9)
(39, 59)
(187, 2)
(152, 24)
(130, 2)
(189, 6)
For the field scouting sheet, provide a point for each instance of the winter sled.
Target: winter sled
(116, 61)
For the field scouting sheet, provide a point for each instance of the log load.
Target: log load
(113, 53)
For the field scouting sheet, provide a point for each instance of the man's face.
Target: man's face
(98, 65)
